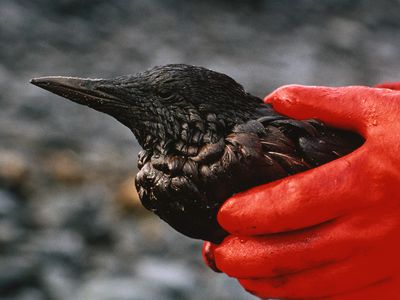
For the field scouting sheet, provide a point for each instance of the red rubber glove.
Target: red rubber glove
(332, 232)
(389, 85)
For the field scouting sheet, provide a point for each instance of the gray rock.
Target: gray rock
(8, 204)
(64, 246)
(11, 233)
(122, 288)
(18, 272)
(59, 281)
(29, 294)
(171, 274)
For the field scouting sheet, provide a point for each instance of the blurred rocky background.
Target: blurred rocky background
(71, 226)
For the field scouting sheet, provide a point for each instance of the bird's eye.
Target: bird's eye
(165, 93)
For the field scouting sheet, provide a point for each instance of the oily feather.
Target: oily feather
(187, 191)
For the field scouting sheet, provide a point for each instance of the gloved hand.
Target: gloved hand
(332, 232)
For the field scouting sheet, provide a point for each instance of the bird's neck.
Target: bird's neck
(184, 134)
(181, 137)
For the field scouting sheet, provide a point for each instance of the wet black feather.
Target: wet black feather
(230, 141)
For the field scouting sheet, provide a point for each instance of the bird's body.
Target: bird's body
(204, 139)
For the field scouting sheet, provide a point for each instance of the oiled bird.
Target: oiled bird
(204, 138)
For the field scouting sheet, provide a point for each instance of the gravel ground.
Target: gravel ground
(70, 223)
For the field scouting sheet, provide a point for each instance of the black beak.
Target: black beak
(83, 91)
(100, 94)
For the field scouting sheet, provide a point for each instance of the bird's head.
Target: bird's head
(168, 108)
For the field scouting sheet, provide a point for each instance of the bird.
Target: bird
(204, 139)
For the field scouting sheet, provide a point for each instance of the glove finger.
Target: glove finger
(296, 251)
(385, 289)
(354, 108)
(241, 256)
(331, 190)
(327, 281)
(209, 257)
(389, 85)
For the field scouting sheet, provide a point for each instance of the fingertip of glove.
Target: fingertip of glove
(286, 93)
(293, 100)
(228, 213)
(237, 212)
(209, 256)
(389, 85)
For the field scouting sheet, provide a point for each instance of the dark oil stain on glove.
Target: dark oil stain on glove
(203, 138)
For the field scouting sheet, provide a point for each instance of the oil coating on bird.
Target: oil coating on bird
(204, 139)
